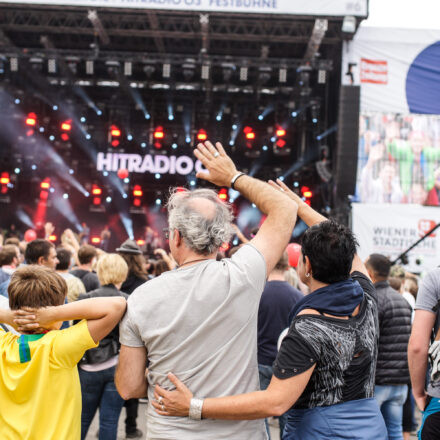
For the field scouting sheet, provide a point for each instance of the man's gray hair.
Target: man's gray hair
(201, 234)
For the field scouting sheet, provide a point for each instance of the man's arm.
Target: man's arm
(274, 234)
(130, 378)
(280, 395)
(418, 354)
(102, 315)
(310, 217)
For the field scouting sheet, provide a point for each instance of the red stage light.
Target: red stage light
(137, 191)
(250, 136)
(96, 240)
(306, 192)
(44, 195)
(4, 179)
(96, 190)
(137, 202)
(140, 242)
(249, 132)
(66, 125)
(115, 131)
(281, 132)
(223, 194)
(64, 137)
(115, 143)
(31, 119)
(201, 135)
(96, 200)
(158, 133)
(280, 143)
(52, 237)
(45, 184)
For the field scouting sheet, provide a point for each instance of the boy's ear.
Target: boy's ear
(40, 261)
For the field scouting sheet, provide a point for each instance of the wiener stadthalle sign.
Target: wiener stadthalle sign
(357, 8)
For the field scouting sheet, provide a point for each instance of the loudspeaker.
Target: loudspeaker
(347, 142)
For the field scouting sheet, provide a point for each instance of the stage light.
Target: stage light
(96, 200)
(296, 184)
(65, 196)
(114, 131)
(66, 125)
(52, 137)
(147, 116)
(17, 101)
(41, 129)
(71, 171)
(44, 195)
(202, 135)
(157, 176)
(281, 132)
(129, 137)
(55, 107)
(96, 190)
(137, 191)
(249, 133)
(280, 143)
(219, 117)
(265, 148)
(31, 119)
(174, 146)
(223, 194)
(52, 237)
(99, 112)
(137, 202)
(88, 136)
(124, 196)
(4, 178)
(108, 199)
(45, 184)
(64, 137)
(171, 117)
(140, 242)
(96, 240)
(17, 171)
(34, 167)
(143, 145)
(234, 126)
(294, 114)
(159, 133)
(260, 117)
(158, 201)
(188, 139)
(307, 194)
(83, 119)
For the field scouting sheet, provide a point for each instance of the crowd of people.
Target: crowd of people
(215, 345)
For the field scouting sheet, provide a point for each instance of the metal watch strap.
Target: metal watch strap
(195, 409)
(235, 178)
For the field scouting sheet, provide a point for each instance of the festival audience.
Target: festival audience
(324, 370)
(74, 285)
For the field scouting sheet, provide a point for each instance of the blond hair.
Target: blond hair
(74, 288)
(112, 269)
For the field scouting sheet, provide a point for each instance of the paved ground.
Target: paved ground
(274, 431)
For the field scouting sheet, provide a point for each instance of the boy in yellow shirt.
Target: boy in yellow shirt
(40, 393)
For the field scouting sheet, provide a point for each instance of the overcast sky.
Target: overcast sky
(423, 14)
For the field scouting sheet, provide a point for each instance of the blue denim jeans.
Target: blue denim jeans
(391, 399)
(265, 373)
(99, 391)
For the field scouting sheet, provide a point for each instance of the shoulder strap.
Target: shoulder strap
(4, 327)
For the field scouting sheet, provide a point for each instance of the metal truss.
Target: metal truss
(164, 31)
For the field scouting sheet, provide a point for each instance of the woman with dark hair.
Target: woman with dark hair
(325, 369)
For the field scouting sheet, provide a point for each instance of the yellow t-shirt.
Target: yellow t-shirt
(40, 392)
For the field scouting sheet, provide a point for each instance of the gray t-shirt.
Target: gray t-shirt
(427, 298)
(200, 322)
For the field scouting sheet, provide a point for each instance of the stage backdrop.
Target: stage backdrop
(391, 229)
(357, 8)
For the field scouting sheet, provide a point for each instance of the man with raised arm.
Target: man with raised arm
(200, 320)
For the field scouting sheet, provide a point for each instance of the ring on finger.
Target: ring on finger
(163, 407)
(216, 154)
(160, 400)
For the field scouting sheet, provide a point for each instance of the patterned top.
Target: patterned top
(344, 351)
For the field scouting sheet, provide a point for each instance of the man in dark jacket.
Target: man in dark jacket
(392, 374)
(87, 256)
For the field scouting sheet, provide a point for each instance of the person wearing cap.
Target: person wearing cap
(200, 319)
(131, 253)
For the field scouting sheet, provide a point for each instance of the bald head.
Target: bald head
(202, 219)
(205, 207)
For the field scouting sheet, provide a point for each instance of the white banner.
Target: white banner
(357, 8)
(391, 229)
(153, 164)
(397, 69)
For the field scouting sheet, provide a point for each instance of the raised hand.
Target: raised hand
(281, 186)
(220, 168)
